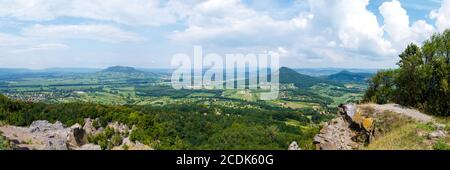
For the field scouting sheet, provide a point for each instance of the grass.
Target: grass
(441, 145)
(402, 138)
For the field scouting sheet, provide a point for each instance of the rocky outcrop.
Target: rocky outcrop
(77, 136)
(40, 135)
(44, 126)
(43, 135)
(347, 132)
(119, 127)
(89, 126)
(360, 125)
(336, 135)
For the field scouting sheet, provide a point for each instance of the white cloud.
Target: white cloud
(396, 20)
(232, 23)
(130, 12)
(9, 40)
(43, 47)
(334, 32)
(356, 28)
(397, 25)
(442, 16)
(331, 30)
(104, 33)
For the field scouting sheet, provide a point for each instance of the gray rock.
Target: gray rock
(436, 134)
(440, 126)
(294, 146)
(121, 128)
(89, 147)
(337, 135)
(52, 135)
(77, 136)
(89, 126)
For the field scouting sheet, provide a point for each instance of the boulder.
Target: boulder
(439, 126)
(77, 136)
(294, 146)
(436, 134)
(44, 125)
(89, 126)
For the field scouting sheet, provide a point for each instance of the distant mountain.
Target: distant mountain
(13, 70)
(347, 76)
(121, 69)
(317, 72)
(290, 76)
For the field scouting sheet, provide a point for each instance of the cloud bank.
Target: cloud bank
(313, 33)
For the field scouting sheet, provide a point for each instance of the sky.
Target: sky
(147, 33)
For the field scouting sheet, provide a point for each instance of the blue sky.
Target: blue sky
(147, 33)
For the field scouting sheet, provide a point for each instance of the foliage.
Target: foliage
(441, 145)
(178, 126)
(4, 143)
(422, 79)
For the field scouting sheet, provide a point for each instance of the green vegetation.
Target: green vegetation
(349, 77)
(179, 126)
(403, 137)
(289, 76)
(4, 143)
(422, 79)
(176, 119)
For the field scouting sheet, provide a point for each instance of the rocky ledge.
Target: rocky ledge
(43, 135)
(359, 125)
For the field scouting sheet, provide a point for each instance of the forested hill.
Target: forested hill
(347, 76)
(121, 69)
(290, 76)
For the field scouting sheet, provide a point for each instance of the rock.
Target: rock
(439, 126)
(132, 146)
(436, 134)
(89, 147)
(77, 136)
(58, 144)
(328, 146)
(318, 139)
(336, 135)
(44, 125)
(121, 128)
(350, 109)
(294, 146)
(89, 126)
(44, 135)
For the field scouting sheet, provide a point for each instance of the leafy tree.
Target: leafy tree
(422, 79)
(381, 87)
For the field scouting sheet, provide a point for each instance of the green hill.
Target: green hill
(121, 69)
(347, 76)
(290, 76)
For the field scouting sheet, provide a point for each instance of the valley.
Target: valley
(231, 119)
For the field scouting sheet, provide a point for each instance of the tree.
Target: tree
(381, 87)
(422, 79)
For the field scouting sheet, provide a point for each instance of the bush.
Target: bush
(441, 145)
